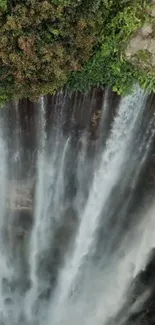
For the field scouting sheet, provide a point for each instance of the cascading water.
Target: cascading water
(86, 245)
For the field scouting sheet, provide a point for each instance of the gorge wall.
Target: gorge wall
(79, 166)
(77, 110)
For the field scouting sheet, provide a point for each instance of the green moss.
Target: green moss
(143, 61)
(49, 44)
(144, 56)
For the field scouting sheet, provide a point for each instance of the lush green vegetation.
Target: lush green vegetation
(109, 64)
(48, 44)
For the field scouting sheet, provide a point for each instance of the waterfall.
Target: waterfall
(87, 241)
(105, 178)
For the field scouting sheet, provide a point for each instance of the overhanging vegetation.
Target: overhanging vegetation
(46, 45)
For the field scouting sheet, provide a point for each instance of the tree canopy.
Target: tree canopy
(49, 44)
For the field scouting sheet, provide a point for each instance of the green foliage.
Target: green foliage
(3, 5)
(103, 70)
(49, 44)
(42, 41)
(108, 64)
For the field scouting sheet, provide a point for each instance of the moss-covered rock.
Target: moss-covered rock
(140, 50)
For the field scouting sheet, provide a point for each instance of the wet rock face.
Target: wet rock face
(23, 222)
(20, 195)
(20, 206)
(79, 113)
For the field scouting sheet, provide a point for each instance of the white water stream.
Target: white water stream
(82, 253)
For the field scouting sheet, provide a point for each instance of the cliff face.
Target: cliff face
(81, 113)
(141, 47)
